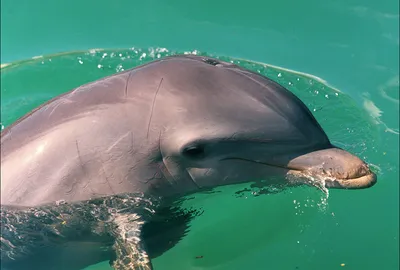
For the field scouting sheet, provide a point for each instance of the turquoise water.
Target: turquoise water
(353, 46)
(249, 231)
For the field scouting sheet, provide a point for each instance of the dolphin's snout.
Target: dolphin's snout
(339, 168)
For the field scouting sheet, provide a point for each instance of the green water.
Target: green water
(251, 231)
(353, 45)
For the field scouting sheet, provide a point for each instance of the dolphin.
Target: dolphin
(82, 174)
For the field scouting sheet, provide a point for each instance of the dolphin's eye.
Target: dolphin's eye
(194, 151)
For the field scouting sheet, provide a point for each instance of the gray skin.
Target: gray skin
(163, 130)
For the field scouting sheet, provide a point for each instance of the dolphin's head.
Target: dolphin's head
(230, 125)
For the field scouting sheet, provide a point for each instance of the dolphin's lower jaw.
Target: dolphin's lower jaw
(327, 180)
(365, 181)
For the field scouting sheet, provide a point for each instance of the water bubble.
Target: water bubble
(142, 56)
(119, 68)
(151, 52)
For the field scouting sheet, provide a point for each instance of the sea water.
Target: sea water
(242, 227)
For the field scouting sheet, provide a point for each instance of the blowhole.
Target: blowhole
(212, 62)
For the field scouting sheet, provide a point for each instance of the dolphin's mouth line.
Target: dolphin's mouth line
(264, 163)
(361, 179)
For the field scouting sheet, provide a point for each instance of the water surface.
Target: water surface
(356, 229)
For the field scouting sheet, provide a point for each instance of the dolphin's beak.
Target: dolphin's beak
(339, 168)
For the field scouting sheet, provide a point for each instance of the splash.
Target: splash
(321, 204)
(316, 181)
(297, 187)
(25, 229)
(376, 114)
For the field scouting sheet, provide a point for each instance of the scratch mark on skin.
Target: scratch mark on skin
(76, 90)
(58, 103)
(79, 153)
(117, 141)
(81, 163)
(159, 145)
(152, 107)
(131, 149)
(105, 175)
(127, 83)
